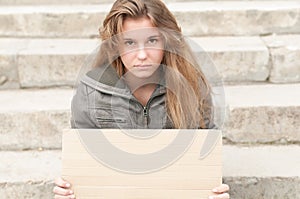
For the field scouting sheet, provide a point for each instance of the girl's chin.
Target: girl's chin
(142, 75)
(142, 72)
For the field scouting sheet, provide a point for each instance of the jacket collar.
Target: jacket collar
(106, 80)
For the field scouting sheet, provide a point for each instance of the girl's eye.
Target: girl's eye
(129, 43)
(152, 41)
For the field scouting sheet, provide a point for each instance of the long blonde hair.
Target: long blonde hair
(187, 108)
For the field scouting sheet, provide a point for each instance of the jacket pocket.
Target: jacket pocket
(112, 123)
(100, 119)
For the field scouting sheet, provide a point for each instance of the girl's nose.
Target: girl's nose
(141, 54)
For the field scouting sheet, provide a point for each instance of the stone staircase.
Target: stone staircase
(254, 44)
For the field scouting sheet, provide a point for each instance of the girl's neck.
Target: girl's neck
(142, 88)
(144, 93)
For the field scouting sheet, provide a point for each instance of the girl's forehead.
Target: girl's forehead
(130, 24)
(142, 33)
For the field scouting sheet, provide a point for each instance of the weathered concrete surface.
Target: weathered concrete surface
(52, 20)
(29, 174)
(263, 114)
(263, 188)
(196, 19)
(42, 62)
(261, 161)
(68, 2)
(263, 172)
(285, 61)
(47, 62)
(259, 125)
(33, 130)
(37, 71)
(9, 50)
(241, 187)
(237, 59)
(8, 72)
(51, 2)
(56, 62)
(32, 119)
(26, 166)
(237, 18)
(27, 190)
(257, 114)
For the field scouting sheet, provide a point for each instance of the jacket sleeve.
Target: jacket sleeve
(80, 109)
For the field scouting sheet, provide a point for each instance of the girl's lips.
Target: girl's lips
(142, 66)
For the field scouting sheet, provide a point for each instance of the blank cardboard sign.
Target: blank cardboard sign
(119, 164)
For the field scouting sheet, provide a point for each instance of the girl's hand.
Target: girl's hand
(221, 192)
(62, 189)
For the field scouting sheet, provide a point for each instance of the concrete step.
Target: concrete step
(256, 114)
(29, 63)
(28, 174)
(33, 118)
(42, 62)
(70, 2)
(65, 2)
(263, 172)
(257, 172)
(263, 188)
(200, 18)
(284, 53)
(261, 161)
(263, 114)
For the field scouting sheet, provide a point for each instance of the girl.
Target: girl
(144, 76)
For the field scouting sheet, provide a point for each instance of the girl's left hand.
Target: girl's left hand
(221, 191)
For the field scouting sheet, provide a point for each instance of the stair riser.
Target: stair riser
(32, 67)
(251, 125)
(195, 22)
(240, 187)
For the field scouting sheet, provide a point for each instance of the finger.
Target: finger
(221, 189)
(62, 183)
(62, 191)
(220, 196)
(64, 197)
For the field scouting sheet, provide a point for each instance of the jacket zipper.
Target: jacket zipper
(145, 110)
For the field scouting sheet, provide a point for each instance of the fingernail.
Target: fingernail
(210, 197)
(72, 196)
(68, 185)
(215, 190)
(71, 192)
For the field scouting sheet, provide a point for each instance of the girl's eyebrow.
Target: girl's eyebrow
(150, 37)
(127, 38)
(153, 36)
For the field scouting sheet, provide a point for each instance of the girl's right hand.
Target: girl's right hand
(62, 189)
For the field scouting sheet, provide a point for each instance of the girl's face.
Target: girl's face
(141, 48)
